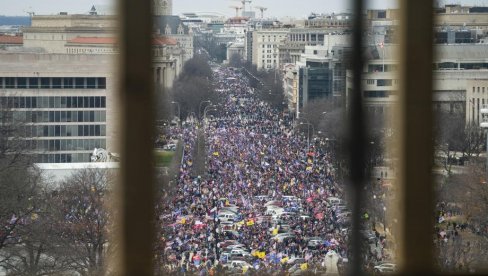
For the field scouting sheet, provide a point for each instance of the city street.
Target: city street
(268, 201)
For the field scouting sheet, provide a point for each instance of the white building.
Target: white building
(52, 32)
(163, 7)
(235, 48)
(266, 43)
(460, 79)
(69, 102)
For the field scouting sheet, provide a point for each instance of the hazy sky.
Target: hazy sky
(278, 8)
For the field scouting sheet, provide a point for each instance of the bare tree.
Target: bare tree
(194, 86)
(32, 254)
(82, 221)
(19, 181)
(235, 60)
(453, 135)
(465, 196)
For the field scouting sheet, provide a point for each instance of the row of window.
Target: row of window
(378, 94)
(53, 102)
(53, 83)
(382, 68)
(477, 89)
(63, 145)
(63, 158)
(462, 65)
(68, 144)
(29, 131)
(381, 82)
(59, 116)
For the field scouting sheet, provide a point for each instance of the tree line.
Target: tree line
(193, 87)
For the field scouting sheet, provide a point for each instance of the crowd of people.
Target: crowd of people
(256, 157)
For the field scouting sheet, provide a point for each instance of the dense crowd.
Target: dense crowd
(268, 202)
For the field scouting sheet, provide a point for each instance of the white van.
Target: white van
(275, 212)
(334, 200)
(226, 217)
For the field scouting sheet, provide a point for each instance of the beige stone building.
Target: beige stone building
(69, 102)
(163, 7)
(266, 43)
(460, 80)
(62, 83)
(476, 98)
(52, 32)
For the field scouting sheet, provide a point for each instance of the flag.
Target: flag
(275, 231)
(319, 216)
(244, 202)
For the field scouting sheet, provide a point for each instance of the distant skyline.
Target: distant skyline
(276, 8)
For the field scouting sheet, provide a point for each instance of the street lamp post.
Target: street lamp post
(179, 111)
(208, 108)
(216, 220)
(308, 132)
(484, 124)
(200, 106)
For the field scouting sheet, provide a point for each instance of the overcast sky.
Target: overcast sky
(278, 8)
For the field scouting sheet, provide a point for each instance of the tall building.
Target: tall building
(62, 83)
(266, 43)
(460, 79)
(298, 38)
(51, 33)
(67, 101)
(163, 7)
(315, 76)
(172, 27)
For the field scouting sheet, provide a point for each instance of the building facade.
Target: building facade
(266, 43)
(61, 83)
(459, 81)
(315, 75)
(51, 33)
(67, 102)
(163, 7)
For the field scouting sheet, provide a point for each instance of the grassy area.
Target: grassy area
(163, 158)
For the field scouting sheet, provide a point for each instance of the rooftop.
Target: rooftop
(9, 39)
(161, 40)
(93, 40)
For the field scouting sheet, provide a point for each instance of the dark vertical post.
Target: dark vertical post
(136, 93)
(416, 193)
(356, 145)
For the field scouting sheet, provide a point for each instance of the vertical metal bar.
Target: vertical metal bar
(136, 119)
(356, 139)
(415, 144)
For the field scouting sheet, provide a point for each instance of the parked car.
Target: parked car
(334, 200)
(314, 242)
(237, 264)
(295, 260)
(170, 147)
(227, 217)
(385, 268)
(239, 252)
(281, 237)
